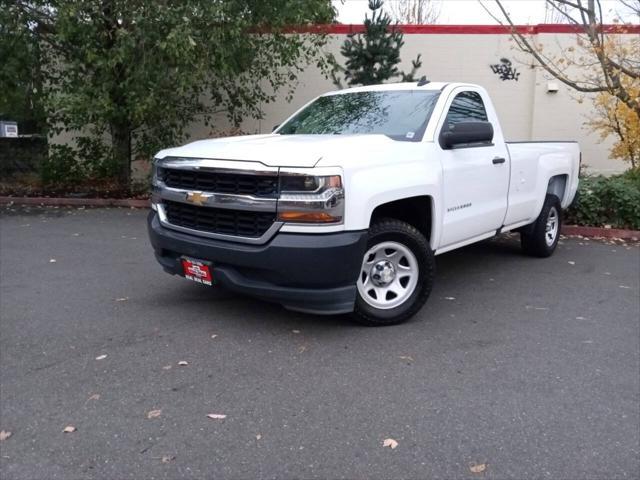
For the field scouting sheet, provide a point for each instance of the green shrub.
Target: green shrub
(97, 159)
(613, 201)
(89, 160)
(61, 166)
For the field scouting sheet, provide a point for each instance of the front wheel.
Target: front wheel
(396, 274)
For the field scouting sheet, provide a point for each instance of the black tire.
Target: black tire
(391, 230)
(535, 240)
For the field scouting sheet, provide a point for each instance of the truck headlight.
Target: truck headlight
(311, 199)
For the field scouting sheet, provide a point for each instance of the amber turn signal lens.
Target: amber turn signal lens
(334, 181)
(310, 217)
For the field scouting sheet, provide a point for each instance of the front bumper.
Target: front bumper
(313, 273)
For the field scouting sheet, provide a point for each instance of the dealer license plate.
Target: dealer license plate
(197, 271)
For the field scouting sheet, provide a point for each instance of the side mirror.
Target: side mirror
(275, 127)
(466, 133)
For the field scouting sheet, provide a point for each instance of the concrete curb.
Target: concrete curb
(597, 232)
(75, 202)
(136, 203)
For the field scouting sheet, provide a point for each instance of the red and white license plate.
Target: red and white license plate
(197, 271)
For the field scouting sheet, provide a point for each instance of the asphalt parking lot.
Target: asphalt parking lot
(529, 367)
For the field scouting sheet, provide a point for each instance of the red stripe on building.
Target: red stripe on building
(344, 29)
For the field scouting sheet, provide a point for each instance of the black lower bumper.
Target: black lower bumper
(310, 273)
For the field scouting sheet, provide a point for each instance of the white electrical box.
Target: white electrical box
(8, 129)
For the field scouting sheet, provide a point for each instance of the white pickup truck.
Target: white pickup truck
(344, 207)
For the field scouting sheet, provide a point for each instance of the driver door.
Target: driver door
(476, 177)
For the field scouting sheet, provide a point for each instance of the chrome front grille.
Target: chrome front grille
(227, 200)
(220, 182)
(219, 220)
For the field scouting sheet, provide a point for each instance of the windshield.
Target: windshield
(401, 114)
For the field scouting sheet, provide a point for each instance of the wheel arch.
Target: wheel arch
(418, 211)
(558, 186)
(553, 182)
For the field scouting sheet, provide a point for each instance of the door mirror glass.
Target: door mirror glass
(467, 134)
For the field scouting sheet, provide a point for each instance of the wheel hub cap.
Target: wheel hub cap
(552, 227)
(389, 275)
(383, 273)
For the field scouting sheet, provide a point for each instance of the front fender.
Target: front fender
(368, 188)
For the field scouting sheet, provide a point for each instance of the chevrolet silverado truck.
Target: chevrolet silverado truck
(343, 208)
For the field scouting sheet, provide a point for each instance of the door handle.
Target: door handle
(498, 160)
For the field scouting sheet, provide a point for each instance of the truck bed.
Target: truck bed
(532, 165)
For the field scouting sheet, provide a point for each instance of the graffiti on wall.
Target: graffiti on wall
(505, 70)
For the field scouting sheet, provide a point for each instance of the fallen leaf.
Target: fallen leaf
(69, 429)
(154, 413)
(531, 307)
(4, 435)
(183, 363)
(449, 298)
(302, 348)
(258, 436)
(95, 396)
(101, 357)
(167, 367)
(122, 299)
(52, 260)
(390, 442)
(406, 357)
(216, 416)
(167, 458)
(478, 467)
(570, 262)
(214, 336)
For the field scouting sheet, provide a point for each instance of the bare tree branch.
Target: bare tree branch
(561, 12)
(632, 5)
(578, 5)
(526, 46)
(610, 69)
(414, 12)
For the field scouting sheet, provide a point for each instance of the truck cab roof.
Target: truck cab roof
(400, 86)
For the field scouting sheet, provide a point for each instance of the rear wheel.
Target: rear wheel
(396, 274)
(542, 239)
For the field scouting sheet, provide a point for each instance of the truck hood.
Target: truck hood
(280, 150)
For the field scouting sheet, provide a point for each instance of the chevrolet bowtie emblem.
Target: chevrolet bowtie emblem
(197, 198)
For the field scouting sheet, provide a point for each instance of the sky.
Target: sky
(471, 12)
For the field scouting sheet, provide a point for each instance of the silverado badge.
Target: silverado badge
(197, 198)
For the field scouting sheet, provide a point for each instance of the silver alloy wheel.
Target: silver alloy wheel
(388, 276)
(552, 227)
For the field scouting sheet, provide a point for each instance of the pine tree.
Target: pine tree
(372, 57)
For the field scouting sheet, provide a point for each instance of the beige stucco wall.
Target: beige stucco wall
(563, 115)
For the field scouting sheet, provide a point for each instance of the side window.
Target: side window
(466, 107)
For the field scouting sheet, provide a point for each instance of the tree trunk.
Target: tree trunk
(121, 143)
